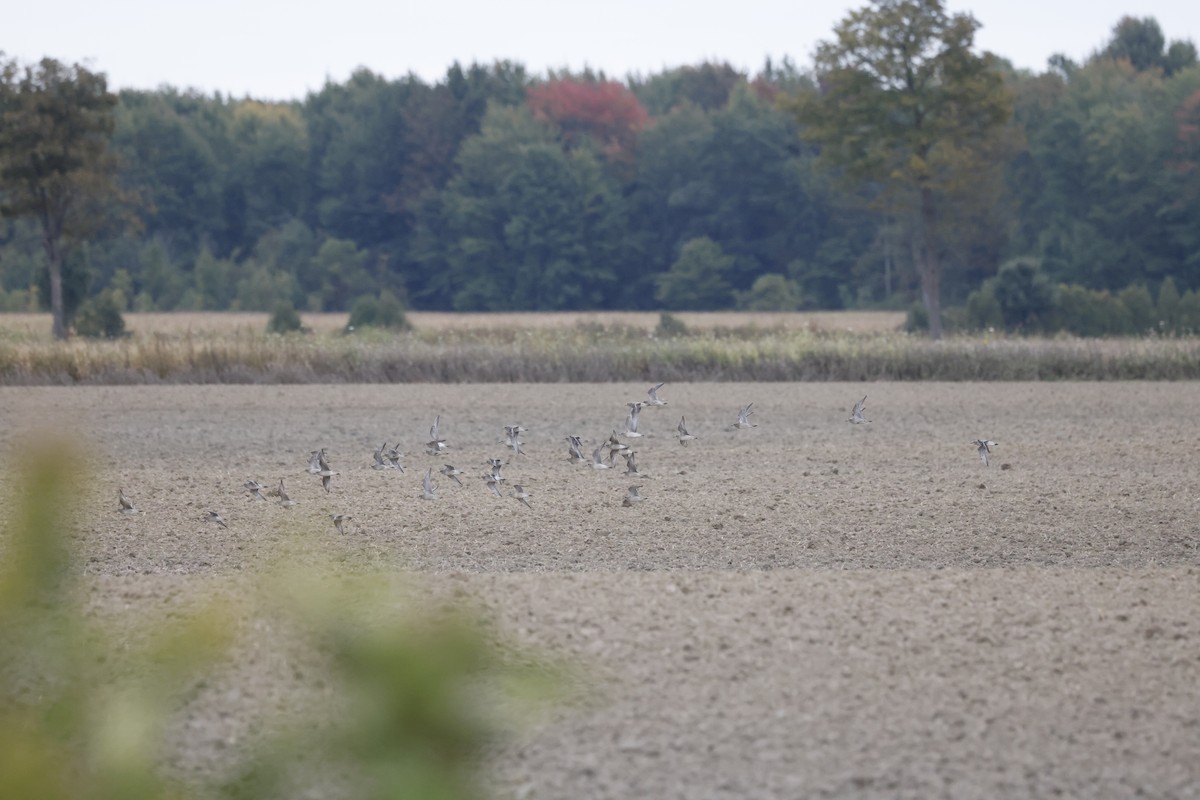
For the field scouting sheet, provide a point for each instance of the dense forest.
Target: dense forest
(699, 187)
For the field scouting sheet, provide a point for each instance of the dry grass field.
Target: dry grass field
(807, 608)
(210, 323)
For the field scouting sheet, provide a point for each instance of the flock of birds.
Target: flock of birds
(389, 458)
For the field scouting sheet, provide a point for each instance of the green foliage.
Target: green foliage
(1140, 305)
(284, 319)
(983, 311)
(384, 311)
(84, 710)
(100, 317)
(1167, 307)
(917, 319)
(1087, 312)
(1024, 295)
(697, 279)
(907, 107)
(771, 293)
(55, 125)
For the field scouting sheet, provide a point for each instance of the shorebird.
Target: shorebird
(427, 491)
(213, 516)
(575, 450)
(493, 485)
(314, 461)
(856, 416)
(255, 489)
(631, 422)
(450, 472)
(393, 457)
(512, 437)
(436, 445)
(632, 496)
(522, 495)
(684, 436)
(496, 465)
(598, 459)
(381, 459)
(127, 506)
(326, 477)
(743, 420)
(985, 448)
(284, 500)
(338, 519)
(652, 395)
(631, 464)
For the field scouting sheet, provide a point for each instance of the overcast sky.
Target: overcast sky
(272, 49)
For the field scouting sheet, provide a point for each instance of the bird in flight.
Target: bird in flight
(575, 450)
(427, 490)
(652, 396)
(598, 458)
(521, 495)
(450, 472)
(256, 489)
(743, 420)
(512, 437)
(684, 436)
(631, 422)
(213, 516)
(381, 458)
(632, 496)
(631, 464)
(339, 520)
(856, 416)
(984, 447)
(436, 445)
(284, 500)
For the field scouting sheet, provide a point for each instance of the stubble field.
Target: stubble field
(805, 608)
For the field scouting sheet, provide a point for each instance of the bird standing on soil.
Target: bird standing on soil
(126, 505)
(338, 520)
(684, 436)
(632, 496)
(213, 516)
(984, 447)
(856, 416)
(427, 490)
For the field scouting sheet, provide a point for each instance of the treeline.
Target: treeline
(693, 188)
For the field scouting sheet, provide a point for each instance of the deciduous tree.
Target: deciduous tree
(55, 165)
(904, 104)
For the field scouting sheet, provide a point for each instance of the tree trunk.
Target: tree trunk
(929, 264)
(54, 265)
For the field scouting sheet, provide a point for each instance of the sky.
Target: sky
(280, 50)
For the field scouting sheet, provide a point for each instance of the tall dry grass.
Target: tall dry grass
(585, 351)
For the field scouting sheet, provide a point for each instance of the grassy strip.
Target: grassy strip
(543, 356)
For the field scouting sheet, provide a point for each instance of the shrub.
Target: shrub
(983, 311)
(669, 326)
(771, 292)
(1168, 306)
(917, 319)
(384, 311)
(1025, 296)
(100, 317)
(1140, 305)
(284, 319)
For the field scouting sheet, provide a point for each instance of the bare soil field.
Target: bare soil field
(806, 608)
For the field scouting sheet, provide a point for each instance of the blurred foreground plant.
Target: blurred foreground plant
(417, 695)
